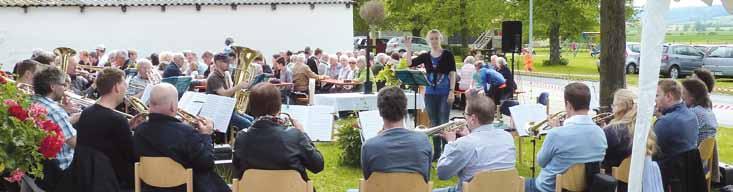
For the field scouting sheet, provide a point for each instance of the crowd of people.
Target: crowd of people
(102, 144)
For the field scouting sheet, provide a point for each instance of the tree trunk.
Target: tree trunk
(554, 43)
(416, 27)
(613, 46)
(464, 25)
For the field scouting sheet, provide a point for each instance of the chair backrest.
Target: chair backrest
(621, 173)
(503, 180)
(706, 148)
(271, 181)
(162, 172)
(403, 182)
(572, 180)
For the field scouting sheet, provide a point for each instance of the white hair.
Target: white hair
(469, 60)
(122, 53)
(501, 61)
(300, 58)
(144, 61)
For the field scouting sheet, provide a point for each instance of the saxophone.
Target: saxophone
(243, 73)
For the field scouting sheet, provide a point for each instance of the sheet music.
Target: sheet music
(523, 114)
(371, 123)
(146, 93)
(317, 120)
(219, 109)
(192, 102)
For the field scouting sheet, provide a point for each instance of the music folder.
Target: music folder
(411, 77)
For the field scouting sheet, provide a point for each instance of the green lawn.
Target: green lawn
(709, 37)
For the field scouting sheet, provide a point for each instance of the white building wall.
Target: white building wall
(148, 29)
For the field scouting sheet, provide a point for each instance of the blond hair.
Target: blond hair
(625, 114)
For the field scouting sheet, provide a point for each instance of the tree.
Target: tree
(360, 26)
(554, 19)
(613, 41)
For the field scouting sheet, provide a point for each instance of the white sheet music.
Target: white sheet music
(371, 123)
(219, 109)
(523, 114)
(192, 102)
(146, 93)
(317, 120)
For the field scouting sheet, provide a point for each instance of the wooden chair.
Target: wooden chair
(394, 182)
(271, 181)
(162, 172)
(503, 180)
(706, 155)
(621, 173)
(572, 180)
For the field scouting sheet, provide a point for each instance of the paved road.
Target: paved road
(533, 86)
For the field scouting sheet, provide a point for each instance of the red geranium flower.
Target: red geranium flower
(3, 80)
(18, 112)
(37, 111)
(15, 176)
(51, 144)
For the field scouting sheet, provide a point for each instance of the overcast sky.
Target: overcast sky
(681, 3)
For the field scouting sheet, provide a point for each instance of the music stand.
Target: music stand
(413, 78)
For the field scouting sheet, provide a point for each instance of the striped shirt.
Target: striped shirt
(60, 117)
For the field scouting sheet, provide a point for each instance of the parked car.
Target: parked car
(719, 61)
(632, 58)
(398, 44)
(360, 43)
(680, 60)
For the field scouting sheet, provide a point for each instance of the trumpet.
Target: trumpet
(188, 117)
(91, 68)
(602, 119)
(86, 102)
(450, 126)
(544, 123)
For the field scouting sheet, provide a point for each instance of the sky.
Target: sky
(681, 3)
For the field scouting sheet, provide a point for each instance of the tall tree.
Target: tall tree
(613, 41)
(360, 26)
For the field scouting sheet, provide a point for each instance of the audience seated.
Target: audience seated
(302, 73)
(677, 126)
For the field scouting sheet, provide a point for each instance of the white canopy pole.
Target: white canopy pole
(653, 31)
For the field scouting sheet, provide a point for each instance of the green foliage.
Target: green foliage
(349, 141)
(19, 140)
(563, 62)
(388, 76)
(450, 17)
(458, 50)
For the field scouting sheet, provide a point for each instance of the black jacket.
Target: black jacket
(267, 145)
(166, 136)
(313, 64)
(683, 172)
(90, 171)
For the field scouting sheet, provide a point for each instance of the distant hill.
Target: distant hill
(692, 14)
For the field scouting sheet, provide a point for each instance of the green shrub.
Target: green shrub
(563, 61)
(349, 141)
(458, 50)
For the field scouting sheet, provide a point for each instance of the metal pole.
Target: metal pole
(530, 46)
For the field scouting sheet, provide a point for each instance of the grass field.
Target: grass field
(335, 178)
(708, 37)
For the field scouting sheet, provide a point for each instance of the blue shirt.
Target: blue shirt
(61, 118)
(397, 150)
(172, 70)
(676, 130)
(580, 140)
(485, 149)
(442, 83)
(489, 78)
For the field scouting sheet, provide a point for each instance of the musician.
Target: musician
(49, 86)
(104, 130)
(440, 66)
(131, 58)
(578, 141)
(481, 147)
(93, 59)
(120, 60)
(165, 136)
(24, 72)
(217, 84)
(395, 149)
(301, 74)
(174, 68)
(141, 79)
(78, 79)
(44, 57)
(269, 144)
(84, 58)
(208, 59)
(677, 127)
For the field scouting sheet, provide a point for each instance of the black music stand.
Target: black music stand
(413, 78)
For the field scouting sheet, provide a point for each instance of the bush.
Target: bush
(349, 141)
(458, 50)
(563, 61)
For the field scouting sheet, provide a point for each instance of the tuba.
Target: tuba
(65, 53)
(450, 126)
(243, 73)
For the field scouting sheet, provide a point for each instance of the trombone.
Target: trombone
(86, 102)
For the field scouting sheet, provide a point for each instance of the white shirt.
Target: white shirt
(346, 73)
(466, 75)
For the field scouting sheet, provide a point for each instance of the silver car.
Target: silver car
(680, 60)
(719, 61)
(397, 44)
